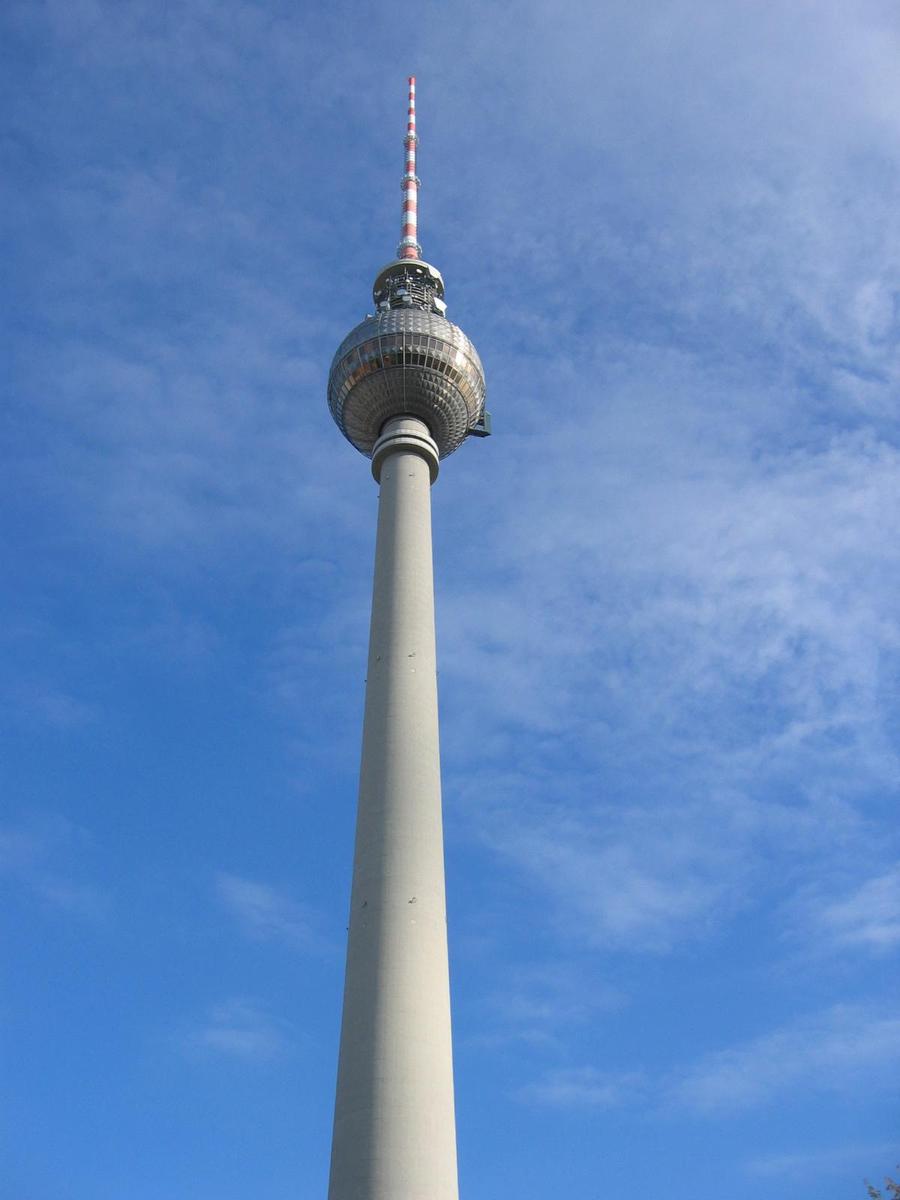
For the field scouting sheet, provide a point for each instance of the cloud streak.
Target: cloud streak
(264, 914)
(870, 917)
(542, 1003)
(838, 1050)
(47, 858)
(583, 1087)
(242, 1029)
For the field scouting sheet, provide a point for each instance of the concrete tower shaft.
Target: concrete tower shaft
(394, 1129)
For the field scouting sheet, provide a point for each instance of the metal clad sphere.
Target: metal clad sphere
(406, 362)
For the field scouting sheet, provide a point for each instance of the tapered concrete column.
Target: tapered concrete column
(394, 1127)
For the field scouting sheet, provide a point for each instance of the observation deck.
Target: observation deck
(408, 360)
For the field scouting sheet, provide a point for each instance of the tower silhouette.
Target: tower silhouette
(406, 387)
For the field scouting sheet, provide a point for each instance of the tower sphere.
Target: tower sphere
(407, 360)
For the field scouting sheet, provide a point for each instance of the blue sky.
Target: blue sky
(668, 616)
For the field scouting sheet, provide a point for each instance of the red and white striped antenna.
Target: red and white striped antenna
(409, 245)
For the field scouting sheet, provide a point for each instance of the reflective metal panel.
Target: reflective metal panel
(406, 361)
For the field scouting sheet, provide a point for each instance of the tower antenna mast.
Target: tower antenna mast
(409, 245)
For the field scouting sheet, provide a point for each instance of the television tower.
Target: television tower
(406, 388)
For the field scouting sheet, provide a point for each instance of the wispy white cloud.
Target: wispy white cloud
(19, 849)
(802, 1164)
(645, 876)
(862, 917)
(583, 1087)
(842, 1048)
(62, 710)
(610, 884)
(46, 856)
(715, 650)
(540, 1004)
(717, 582)
(240, 1028)
(265, 914)
(47, 704)
(77, 899)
